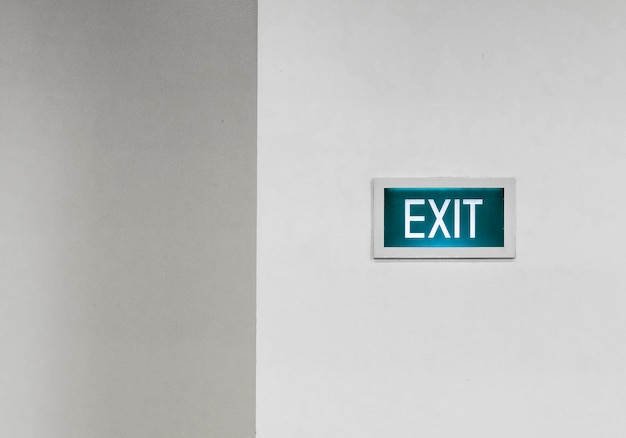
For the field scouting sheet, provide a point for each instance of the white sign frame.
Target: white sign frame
(378, 226)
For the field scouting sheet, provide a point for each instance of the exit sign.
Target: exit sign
(444, 218)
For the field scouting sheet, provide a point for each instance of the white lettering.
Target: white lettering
(472, 203)
(439, 218)
(457, 218)
(408, 218)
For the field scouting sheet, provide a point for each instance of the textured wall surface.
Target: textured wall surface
(127, 218)
(350, 90)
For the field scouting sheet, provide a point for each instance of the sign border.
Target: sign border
(378, 221)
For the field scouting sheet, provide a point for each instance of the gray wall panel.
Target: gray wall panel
(128, 203)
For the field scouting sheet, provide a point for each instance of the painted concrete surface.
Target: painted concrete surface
(351, 90)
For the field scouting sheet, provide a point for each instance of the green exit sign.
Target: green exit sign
(444, 218)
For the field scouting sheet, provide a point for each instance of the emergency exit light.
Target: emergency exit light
(444, 218)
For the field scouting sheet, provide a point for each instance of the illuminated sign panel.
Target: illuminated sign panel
(444, 218)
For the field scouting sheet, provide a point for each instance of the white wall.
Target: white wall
(127, 218)
(350, 347)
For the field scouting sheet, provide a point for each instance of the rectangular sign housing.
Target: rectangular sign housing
(444, 218)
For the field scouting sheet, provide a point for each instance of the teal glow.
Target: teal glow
(488, 217)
